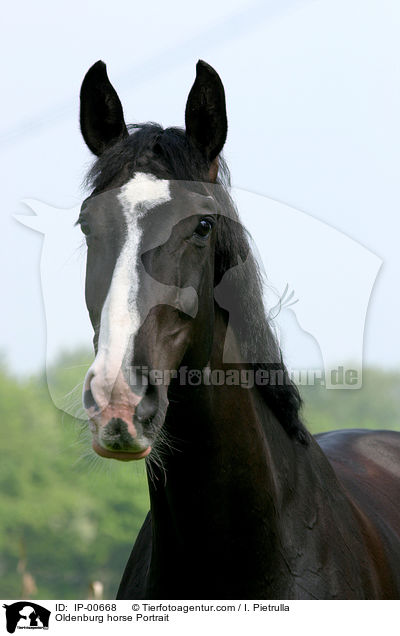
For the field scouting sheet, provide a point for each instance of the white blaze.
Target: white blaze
(120, 317)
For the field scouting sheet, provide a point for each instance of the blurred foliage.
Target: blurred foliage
(71, 514)
(375, 406)
(69, 517)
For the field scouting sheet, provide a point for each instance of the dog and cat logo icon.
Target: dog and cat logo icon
(26, 615)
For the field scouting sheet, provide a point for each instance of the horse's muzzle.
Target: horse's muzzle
(118, 418)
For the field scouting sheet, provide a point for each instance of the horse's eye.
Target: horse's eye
(204, 228)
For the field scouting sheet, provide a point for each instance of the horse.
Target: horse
(244, 502)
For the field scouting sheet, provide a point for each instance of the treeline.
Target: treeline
(69, 518)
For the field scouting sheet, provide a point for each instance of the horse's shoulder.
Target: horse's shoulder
(360, 449)
(367, 464)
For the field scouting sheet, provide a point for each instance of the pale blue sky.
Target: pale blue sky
(313, 96)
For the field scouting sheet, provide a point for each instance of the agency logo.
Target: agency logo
(26, 615)
(317, 288)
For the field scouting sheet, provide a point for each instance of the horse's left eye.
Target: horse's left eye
(204, 228)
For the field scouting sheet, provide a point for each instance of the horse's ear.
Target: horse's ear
(101, 117)
(205, 115)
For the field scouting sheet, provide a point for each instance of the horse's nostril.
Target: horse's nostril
(88, 400)
(146, 409)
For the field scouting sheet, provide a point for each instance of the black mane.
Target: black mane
(167, 154)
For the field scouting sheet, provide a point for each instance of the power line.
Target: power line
(215, 35)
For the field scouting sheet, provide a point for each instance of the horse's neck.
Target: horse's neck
(217, 497)
(243, 510)
(233, 482)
